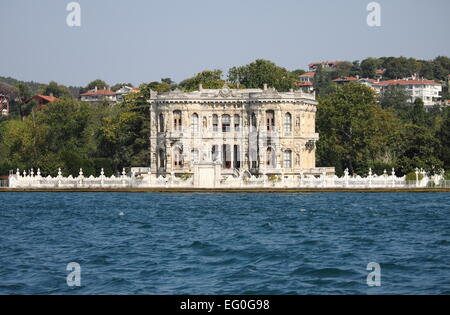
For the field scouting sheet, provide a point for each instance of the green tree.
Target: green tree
(418, 112)
(118, 86)
(369, 67)
(99, 84)
(417, 147)
(322, 82)
(443, 135)
(401, 67)
(441, 67)
(260, 72)
(209, 79)
(124, 137)
(56, 90)
(161, 87)
(355, 132)
(22, 144)
(298, 72)
(394, 96)
(168, 81)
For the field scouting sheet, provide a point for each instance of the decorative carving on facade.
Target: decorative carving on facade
(226, 132)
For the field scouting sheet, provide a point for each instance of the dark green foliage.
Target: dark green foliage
(443, 135)
(209, 79)
(355, 132)
(417, 147)
(369, 67)
(412, 176)
(56, 90)
(99, 84)
(118, 86)
(323, 83)
(260, 72)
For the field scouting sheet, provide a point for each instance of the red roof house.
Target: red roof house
(98, 96)
(43, 100)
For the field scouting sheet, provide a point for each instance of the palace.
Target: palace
(259, 131)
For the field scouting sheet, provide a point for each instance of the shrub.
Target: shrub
(447, 175)
(184, 176)
(274, 178)
(412, 176)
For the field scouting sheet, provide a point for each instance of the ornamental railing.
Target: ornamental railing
(237, 179)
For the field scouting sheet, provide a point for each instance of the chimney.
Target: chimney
(96, 89)
(200, 87)
(51, 94)
(265, 87)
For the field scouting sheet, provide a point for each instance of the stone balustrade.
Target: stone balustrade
(240, 179)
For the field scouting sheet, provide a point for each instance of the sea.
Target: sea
(224, 243)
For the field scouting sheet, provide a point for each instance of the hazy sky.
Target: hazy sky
(143, 40)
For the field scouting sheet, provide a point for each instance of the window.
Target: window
(237, 123)
(237, 157)
(226, 156)
(288, 159)
(194, 123)
(270, 157)
(253, 158)
(215, 123)
(161, 123)
(162, 159)
(270, 118)
(226, 122)
(194, 155)
(253, 121)
(177, 124)
(215, 153)
(177, 158)
(287, 123)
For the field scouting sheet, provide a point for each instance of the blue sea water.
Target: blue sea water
(242, 243)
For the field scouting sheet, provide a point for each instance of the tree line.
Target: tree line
(358, 130)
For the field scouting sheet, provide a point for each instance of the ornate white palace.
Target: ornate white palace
(221, 132)
(228, 139)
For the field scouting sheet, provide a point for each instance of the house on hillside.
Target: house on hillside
(343, 80)
(365, 81)
(124, 90)
(306, 82)
(43, 100)
(98, 96)
(429, 91)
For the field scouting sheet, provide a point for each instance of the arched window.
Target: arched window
(226, 122)
(287, 159)
(253, 121)
(270, 157)
(162, 159)
(215, 123)
(215, 153)
(237, 123)
(177, 158)
(161, 123)
(226, 156)
(270, 119)
(194, 123)
(177, 122)
(287, 123)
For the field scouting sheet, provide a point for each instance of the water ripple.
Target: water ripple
(224, 243)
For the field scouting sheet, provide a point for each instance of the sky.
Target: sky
(140, 41)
